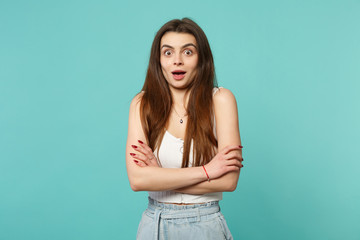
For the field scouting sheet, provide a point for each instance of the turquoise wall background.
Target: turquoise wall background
(69, 69)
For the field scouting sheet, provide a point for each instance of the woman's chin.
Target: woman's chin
(179, 85)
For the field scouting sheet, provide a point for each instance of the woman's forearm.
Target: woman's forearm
(226, 183)
(163, 179)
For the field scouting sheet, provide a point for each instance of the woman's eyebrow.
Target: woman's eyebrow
(189, 44)
(184, 46)
(165, 45)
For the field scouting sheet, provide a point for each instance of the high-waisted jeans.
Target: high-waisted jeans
(162, 221)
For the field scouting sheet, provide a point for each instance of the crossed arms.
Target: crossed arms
(223, 169)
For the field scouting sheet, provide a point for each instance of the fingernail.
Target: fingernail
(242, 160)
(136, 161)
(132, 154)
(140, 141)
(240, 146)
(134, 146)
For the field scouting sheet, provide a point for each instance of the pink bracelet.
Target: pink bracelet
(206, 173)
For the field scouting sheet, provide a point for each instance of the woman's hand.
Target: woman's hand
(227, 160)
(145, 156)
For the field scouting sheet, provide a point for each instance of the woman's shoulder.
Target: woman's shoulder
(223, 96)
(135, 102)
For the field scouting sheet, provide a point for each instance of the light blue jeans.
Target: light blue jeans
(184, 222)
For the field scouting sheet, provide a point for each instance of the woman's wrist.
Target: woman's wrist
(201, 174)
(207, 175)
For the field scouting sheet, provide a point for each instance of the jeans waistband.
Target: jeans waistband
(182, 211)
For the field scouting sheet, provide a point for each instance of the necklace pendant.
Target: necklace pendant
(181, 121)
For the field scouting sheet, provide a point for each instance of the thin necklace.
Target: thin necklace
(181, 121)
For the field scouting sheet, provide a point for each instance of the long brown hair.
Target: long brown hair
(156, 101)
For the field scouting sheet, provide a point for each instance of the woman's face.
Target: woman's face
(178, 58)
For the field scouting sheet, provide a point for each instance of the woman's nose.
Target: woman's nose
(178, 60)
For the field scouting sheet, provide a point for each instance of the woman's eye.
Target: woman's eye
(188, 52)
(167, 53)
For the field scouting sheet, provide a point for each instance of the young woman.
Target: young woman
(183, 144)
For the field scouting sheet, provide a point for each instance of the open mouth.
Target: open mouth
(178, 72)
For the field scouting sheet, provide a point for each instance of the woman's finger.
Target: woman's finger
(145, 146)
(144, 149)
(233, 155)
(149, 160)
(140, 163)
(152, 158)
(230, 148)
(232, 168)
(139, 149)
(234, 163)
(140, 157)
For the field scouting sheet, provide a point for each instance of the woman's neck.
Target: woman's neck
(180, 97)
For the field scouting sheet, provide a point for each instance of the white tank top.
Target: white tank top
(170, 156)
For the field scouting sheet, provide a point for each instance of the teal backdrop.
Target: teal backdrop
(69, 69)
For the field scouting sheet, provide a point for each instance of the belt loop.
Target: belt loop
(198, 215)
(157, 223)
